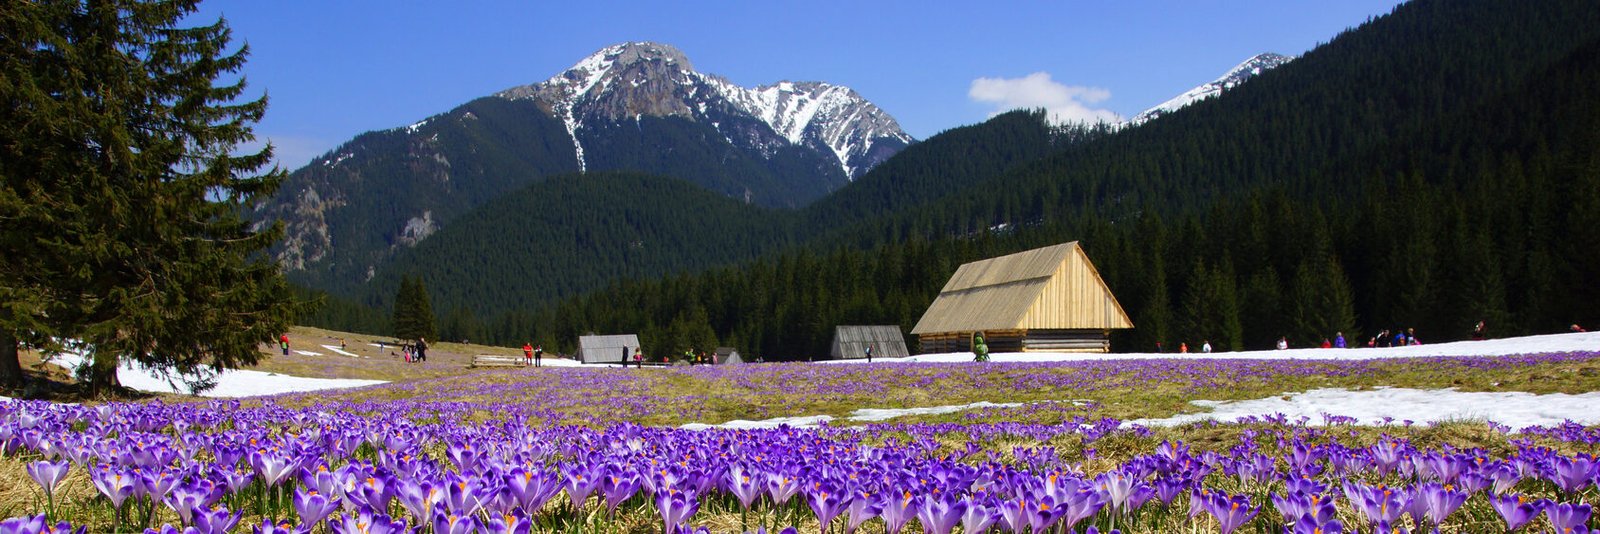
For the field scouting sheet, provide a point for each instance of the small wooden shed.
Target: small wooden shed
(607, 349)
(1045, 299)
(851, 342)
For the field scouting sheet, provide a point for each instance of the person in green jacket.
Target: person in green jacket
(980, 349)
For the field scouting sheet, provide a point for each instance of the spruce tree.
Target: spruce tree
(405, 312)
(422, 308)
(122, 196)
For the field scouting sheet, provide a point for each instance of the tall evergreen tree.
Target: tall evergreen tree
(121, 193)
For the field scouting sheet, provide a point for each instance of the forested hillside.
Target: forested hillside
(1435, 167)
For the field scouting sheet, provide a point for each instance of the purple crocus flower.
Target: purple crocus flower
(1014, 515)
(1231, 511)
(115, 484)
(268, 526)
(676, 506)
(420, 498)
(865, 506)
(826, 501)
(743, 485)
(27, 524)
(451, 523)
(1310, 524)
(1516, 510)
(312, 506)
(1380, 504)
(216, 520)
(466, 496)
(1441, 501)
(1573, 474)
(273, 465)
(1567, 518)
(781, 487)
(1169, 488)
(898, 510)
(514, 522)
(978, 516)
(48, 475)
(1505, 477)
(1385, 527)
(618, 488)
(187, 498)
(939, 516)
(372, 491)
(156, 485)
(366, 522)
(463, 455)
(581, 481)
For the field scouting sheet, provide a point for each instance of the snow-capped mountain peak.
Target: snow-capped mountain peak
(630, 80)
(1235, 76)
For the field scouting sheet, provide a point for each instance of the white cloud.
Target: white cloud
(1062, 103)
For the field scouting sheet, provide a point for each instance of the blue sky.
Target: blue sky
(336, 69)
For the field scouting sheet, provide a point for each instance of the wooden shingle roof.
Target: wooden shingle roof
(1053, 287)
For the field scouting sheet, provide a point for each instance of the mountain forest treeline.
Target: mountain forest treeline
(1435, 167)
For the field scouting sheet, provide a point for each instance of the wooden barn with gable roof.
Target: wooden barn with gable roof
(1045, 299)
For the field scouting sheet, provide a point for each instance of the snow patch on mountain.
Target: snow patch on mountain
(1235, 76)
(640, 78)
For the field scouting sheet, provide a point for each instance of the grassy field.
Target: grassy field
(572, 418)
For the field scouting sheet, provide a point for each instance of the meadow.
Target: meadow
(568, 449)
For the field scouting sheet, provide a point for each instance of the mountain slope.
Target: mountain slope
(1250, 68)
(629, 80)
(634, 107)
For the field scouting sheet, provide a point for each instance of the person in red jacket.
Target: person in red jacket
(527, 353)
(283, 343)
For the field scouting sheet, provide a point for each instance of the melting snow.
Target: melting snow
(229, 383)
(863, 414)
(337, 350)
(1397, 405)
(1587, 341)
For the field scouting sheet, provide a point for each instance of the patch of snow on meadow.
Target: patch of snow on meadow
(230, 383)
(862, 414)
(306, 353)
(337, 350)
(1586, 341)
(1381, 406)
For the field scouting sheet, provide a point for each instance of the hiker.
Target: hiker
(1283, 343)
(1478, 333)
(1338, 340)
(527, 353)
(422, 349)
(1205, 346)
(980, 348)
(1183, 347)
(1326, 344)
(638, 358)
(1576, 329)
(283, 342)
(538, 356)
(869, 353)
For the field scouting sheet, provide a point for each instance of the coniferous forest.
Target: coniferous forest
(1435, 167)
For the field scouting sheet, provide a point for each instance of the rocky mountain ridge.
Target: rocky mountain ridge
(639, 79)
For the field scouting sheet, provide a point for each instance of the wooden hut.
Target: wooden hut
(851, 342)
(607, 349)
(1045, 299)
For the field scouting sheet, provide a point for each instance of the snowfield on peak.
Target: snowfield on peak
(816, 114)
(1245, 70)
